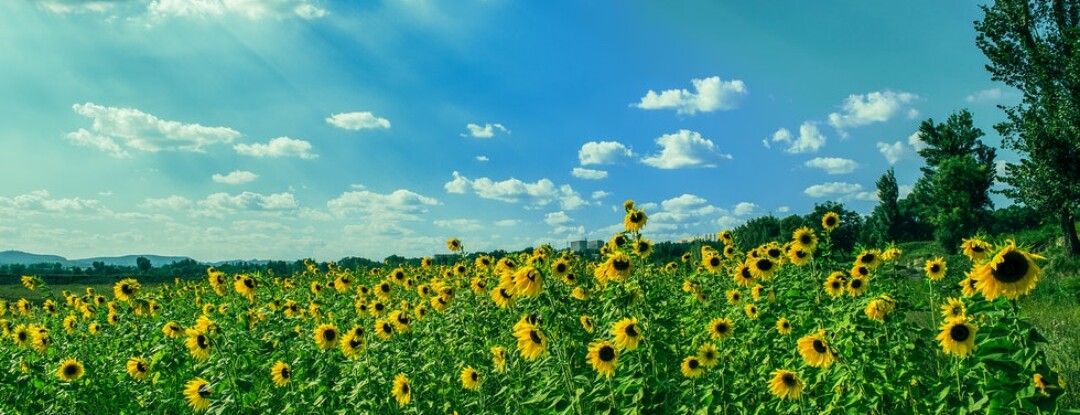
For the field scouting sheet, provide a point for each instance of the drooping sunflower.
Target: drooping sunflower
(957, 336)
(93, 328)
(857, 285)
(783, 326)
(503, 295)
(352, 343)
(470, 378)
(42, 340)
(197, 391)
(835, 284)
(126, 289)
(326, 336)
(830, 221)
(603, 356)
(786, 384)
(876, 309)
(69, 370)
(280, 373)
(29, 282)
(400, 320)
(138, 368)
(531, 342)
(721, 328)
(725, 237)
(804, 239)
(815, 350)
(384, 329)
(1011, 272)
(891, 253)
(976, 249)
(953, 307)
(871, 258)
(528, 281)
(198, 344)
(627, 333)
(587, 324)
(969, 285)
(935, 268)
(402, 390)
(691, 367)
(730, 251)
(453, 244)
(708, 355)
(628, 205)
(635, 220)
(643, 247)
(751, 311)
(762, 268)
(498, 358)
(245, 286)
(71, 324)
(579, 294)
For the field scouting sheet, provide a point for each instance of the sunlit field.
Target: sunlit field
(792, 326)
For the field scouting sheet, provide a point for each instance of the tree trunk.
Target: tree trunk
(1068, 227)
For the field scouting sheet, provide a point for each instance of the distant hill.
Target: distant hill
(19, 257)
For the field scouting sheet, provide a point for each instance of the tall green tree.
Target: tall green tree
(1033, 46)
(143, 263)
(885, 221)
(954, 193)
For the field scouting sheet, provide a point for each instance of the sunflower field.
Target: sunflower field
(791, 326)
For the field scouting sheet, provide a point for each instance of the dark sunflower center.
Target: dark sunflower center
(856, 284)
(736, 296)
(606, 353)
(250, 283)
(285, 373)
(636, 217)
(867, 258)
(329, 335)
(714, 262)
(959, 332)
(384, 288)
(201, 341)
(532, 275)
(836, 285)
(805, 239)
(126, 289)
(386, 328)
(560, 268)
(934, 269)
(355, 342)
(204, 391)
(830, 221)
(474, 376)
(403, 319)
(379, 307)
(800, 254)
(788, 379)
(693, 364)
(140, 367)
(620, 265)
(71, 370)
(819, 346)
(22, 336)
(764, 264)
(460, 269)
(405, 389)
(866, 271)
(721, 328)
(619, 241)
(978, 249)
(710, 355)
(774, 252)
(504, 294)
(1013, 267)
(785, 325)
(631, 330)
(745, 273)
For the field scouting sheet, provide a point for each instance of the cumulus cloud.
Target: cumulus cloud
(539, 193)
(832, 189)
(892, 152)
(40, 201)
(783, 209)
(588, 174)
(218, 204)
(915, 140)
(400, 203)
(278, 147)
(710, 94)
(459, 225)
(235, 177)
(684, 149)
(810, 139)
(603, 152)
(505, 223)
(984, 96)
(600, 194)
(874, 107)
(557, 218)
(744, 208)
(832, 165)
(118, 130)
(484, 131)
(481, 158)
(356, 121)
(174, 202)
(248, 9)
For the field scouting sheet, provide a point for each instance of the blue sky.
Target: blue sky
(224, 129)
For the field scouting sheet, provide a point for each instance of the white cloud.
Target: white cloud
(117, 130)
(904, 190)
(864, 109)
(783, 209)
(832, 165)
(744, 208)
(710, 94)
(600, 194)
(892, 152)
(557, 218)
(916, 141)
(866, 196)
(460, 225)
(357, 121)
(399, 203)
(984, 96)
(173, 202)
(571, 232)
(539, 193)
(603, 152)
(217, 204)
(484, 131)
(235, 177)
(278, 147)
(308, 11)
(505, 223)
(684, 149)
(589, 174)
(249, 9)
(41, 201)
(810, 139)
(832, 189)
(481, 158)
(77, 6)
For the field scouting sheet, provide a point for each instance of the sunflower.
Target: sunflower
(804, 239)
(721, 328)
(859, 270)
(725, 237)
(628, 205)
(876, 309)
(198, 343)
(603, 356)
(870, 258)
(708, 355)
(69, 370)
(587, 324)
(713, 263)
(326, 336)
(857, 286)
(935, 268)
(71, 324)
(579, 294)
(734, 297)
(1040, 383)
(197, 391)
(815, 350)
(799, 257)
(635, 220)
(470, 378)
(316, 288)
(138, 368)
(126, 289)
(830, 221)
(93, 328)
(751, 311)
(29, 282)
(353, 342)
(730, 251)
(280, 373)
(786, 384)
(1011, 272)
(560, 268)
(42, 340)
(627, 333)
(643, 247)
(891, 253)
(957, 336)
(619, 266)
(498, 358)
(245, 286)
(531, 342)
(691, 367)
(384, 329)
(528, 281)
(783, 326)
(742, 276)
(953, 307)
(762, 268)
(835, 284)
(969, 285)
(503, 295)
(976, 249)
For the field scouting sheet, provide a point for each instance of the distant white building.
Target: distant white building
(585, 246)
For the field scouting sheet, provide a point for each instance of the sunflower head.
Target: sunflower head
(603, 357)
(691, 367)
(830, 221)
(470, 378)
(721, 328)
(627, 333)
(935, 268)
(786, 384)
(402, 390)
(957, 336)
(453, 244)
(1011, 272)
(197, 392)
(70, 370)
(138, 368)
(815, 350)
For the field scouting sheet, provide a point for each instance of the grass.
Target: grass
(13, 292)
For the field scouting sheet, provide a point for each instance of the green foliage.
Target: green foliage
(885, 222)
(756, 231)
